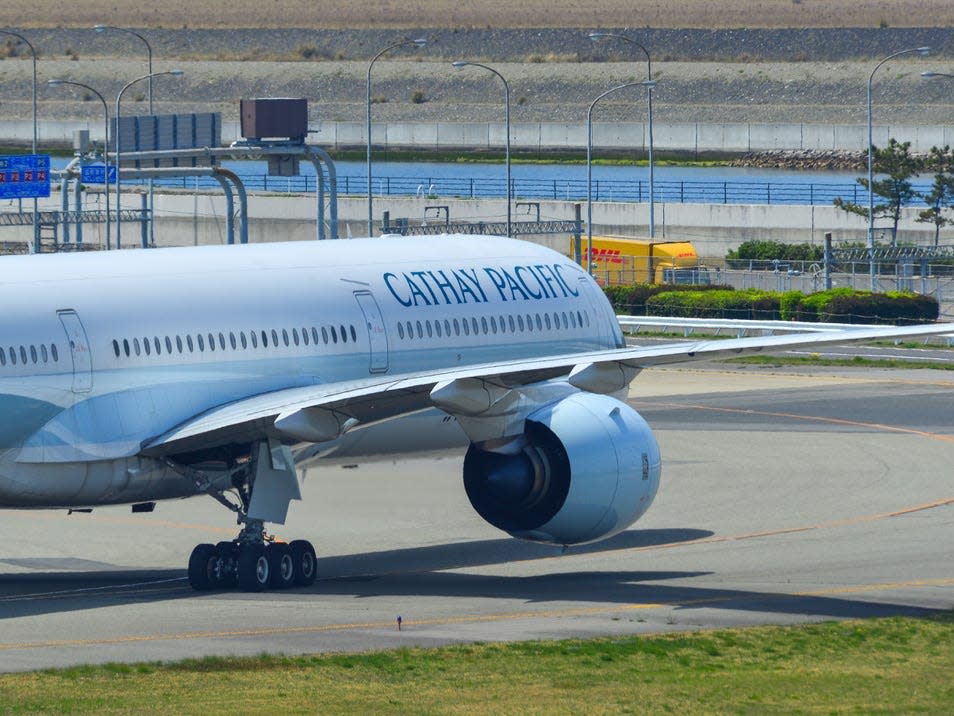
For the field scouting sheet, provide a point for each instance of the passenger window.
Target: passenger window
(420, 330)
(23, 358)
(147, 346)
(456, 327)
(136, 346)
(33, 353)
(222, 341)
(168, 345)
(493, 324)
(54, 352)
(546, 318)
(447, 327)
(539, 323)
(116, 347)
(466, 327)
(232, 341)
(354, 335)
(295, 339)
(304, 336)
(13, 355)
(275, 338)
(254, 336)
(513, 328)
(126, 346)
(430, 332)
(201, 341)
(189, 343)
(179, 343)
(400, 327)
(157, 344)
(264, 339)
(285, 337)
(314, 335)
(43, 354)
(211, 342)
(344, 335)
(324, 335)
(3, 357)
(437, 328)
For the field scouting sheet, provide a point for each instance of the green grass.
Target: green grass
(896, 665)
(855, 362)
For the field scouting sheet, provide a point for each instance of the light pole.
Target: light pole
(119, 97)
(596, 37)
(36, 212)
(589, 168)
(57, 82)
(420, 42)
(102, 29)
(871, 246)
(464, 63)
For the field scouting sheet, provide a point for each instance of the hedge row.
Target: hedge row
(840, 305)
(631, 300)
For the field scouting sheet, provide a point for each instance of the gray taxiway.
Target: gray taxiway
(786, 497)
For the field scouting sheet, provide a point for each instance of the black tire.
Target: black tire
(203, 563)
(281, 566)
(228, 553)
(253, 568)
(306, 562)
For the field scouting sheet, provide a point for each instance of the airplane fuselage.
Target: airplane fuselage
(101, 353)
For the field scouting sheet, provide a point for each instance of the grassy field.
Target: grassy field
(489, 13)
(877, 666)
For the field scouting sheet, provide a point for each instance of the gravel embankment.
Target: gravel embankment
(734, 76)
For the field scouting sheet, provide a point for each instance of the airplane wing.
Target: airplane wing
(312, 412)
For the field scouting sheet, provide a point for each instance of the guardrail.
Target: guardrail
(673, 192)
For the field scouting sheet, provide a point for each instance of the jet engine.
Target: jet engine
(587, 467)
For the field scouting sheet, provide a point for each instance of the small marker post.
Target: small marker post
(399, 621)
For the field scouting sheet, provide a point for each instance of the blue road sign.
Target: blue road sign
(96, 173)
(24, 176)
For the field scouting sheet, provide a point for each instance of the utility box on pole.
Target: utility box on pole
(274, 118)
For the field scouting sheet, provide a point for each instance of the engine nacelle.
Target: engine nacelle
(589, 467)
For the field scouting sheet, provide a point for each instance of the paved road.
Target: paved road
(785, 498)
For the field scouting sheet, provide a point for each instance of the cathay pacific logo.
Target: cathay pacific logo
(470, 285)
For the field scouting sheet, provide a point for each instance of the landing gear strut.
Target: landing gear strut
(263, 480)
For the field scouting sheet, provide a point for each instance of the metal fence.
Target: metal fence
(674, 192)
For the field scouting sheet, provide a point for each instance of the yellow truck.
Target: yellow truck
(618, 260)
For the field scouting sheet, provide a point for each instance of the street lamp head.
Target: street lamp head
(420, 42)
(648, 83)
(55, 83)
(460, 64)
(924, 51)
(176, 73)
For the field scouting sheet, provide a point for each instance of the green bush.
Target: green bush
(770, 250)
(840, 305)
(631, 299)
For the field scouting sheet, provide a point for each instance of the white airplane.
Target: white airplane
(135, 376)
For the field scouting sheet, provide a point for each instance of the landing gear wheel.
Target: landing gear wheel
(203, 568)
(253, 568)
(306, 562)
(227, 553)
(281, 565)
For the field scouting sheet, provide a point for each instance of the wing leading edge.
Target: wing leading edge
(321, 412)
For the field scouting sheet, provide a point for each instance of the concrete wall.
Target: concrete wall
(715, 228)
(688, 137)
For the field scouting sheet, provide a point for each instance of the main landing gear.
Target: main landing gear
(253, 566)
(263, 479)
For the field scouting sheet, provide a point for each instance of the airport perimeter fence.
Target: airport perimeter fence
(673, 192)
